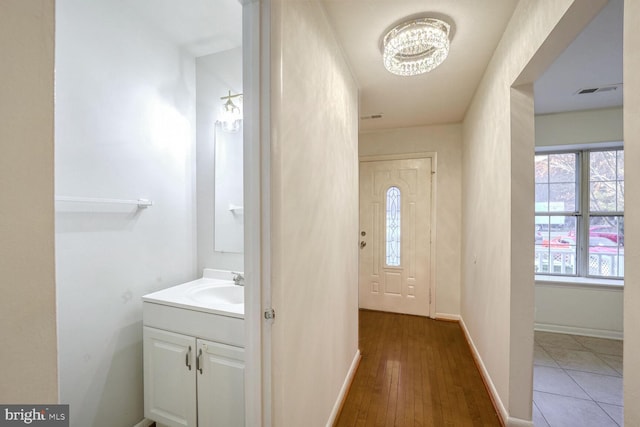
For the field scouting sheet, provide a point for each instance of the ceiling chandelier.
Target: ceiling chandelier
(415, 47)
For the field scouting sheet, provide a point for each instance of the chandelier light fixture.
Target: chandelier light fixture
(231, 114)
(416, 46)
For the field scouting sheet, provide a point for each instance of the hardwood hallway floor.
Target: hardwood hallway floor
(415, 371)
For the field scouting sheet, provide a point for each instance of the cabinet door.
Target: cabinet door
(220, 385)
(169, 378)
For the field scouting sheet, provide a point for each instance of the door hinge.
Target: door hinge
(270, 314)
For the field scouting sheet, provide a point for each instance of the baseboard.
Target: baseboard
(517, 422)
(505, 419)
(574, 330)
(337, 407)
(448, 317)
(144, 423)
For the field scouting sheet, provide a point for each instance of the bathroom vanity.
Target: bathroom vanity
(194, 353)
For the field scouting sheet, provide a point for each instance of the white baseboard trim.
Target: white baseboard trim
(144, 423)
(517, 422)
(447, 316)
(574, 330)
(345, 389)
(506, 420)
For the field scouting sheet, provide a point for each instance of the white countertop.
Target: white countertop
(179, 295)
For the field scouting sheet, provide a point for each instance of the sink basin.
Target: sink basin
(214, 293)
(217, 294)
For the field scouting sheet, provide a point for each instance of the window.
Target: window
(393, 227)
(580, 213)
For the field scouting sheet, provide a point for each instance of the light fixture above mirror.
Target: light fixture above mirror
(231, 114)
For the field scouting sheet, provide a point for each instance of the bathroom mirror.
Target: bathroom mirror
(219, 156)
(229, 206)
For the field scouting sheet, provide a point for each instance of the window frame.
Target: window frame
(582, 213)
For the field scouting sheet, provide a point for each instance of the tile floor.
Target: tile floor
(577, 381)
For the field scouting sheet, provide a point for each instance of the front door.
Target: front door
(395, 233)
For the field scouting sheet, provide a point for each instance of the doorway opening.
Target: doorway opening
(569, 353)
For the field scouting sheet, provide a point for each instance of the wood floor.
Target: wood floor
(415, 371)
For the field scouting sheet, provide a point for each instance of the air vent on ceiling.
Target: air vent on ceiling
(371, 116)
(607, 88)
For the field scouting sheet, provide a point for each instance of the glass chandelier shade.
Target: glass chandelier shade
(231, 114)
(416, 47)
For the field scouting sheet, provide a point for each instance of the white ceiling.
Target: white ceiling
(594, 59)
(201, 27)
(441, 96)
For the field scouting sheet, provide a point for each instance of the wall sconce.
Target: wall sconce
(231, 114)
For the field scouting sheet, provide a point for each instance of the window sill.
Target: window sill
(586, 282)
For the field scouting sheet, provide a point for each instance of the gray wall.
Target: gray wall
(28, 360)
(632, 214)
(125, 129)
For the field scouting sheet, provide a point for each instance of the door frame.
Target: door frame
(256, 163)
(432, 225)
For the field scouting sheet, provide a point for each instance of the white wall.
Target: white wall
(314, 226)
(632, 214)
(125, 128)
(497, 274)
(216, 74)
(28, 360)
(579, 127)
(591, 310)
(446, 142)
(573, 308)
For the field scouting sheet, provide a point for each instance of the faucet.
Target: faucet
(238, 279)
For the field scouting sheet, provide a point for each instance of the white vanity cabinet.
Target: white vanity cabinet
(192, 382)
(220, 384)
(193, 344)
(169, 378)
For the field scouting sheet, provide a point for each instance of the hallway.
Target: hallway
(415, 371)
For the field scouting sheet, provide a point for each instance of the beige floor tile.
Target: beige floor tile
(538, 418)
(615, 412)
(580, 360)
(601, 345)
(563, 411)
(542, 358)
(556, 381)
(614, 361)
(551, 339)
(601, 388)
(577, 381)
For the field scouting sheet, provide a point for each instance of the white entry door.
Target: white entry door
(395, 234)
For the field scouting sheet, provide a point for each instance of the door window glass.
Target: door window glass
(393, 227)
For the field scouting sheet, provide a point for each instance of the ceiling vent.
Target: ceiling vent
(607, 88)
(371, 116)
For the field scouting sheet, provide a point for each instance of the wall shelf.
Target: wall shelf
(141, 203)
(235, 209)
